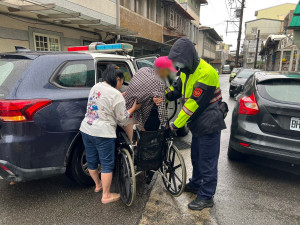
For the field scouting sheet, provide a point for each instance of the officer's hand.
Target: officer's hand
(173, 127)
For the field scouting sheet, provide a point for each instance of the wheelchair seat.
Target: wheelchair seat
(151, 149)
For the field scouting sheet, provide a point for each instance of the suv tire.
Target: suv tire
(183, 131)
(75, 168)
(234, 155)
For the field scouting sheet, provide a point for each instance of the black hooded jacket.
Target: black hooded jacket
(184, 51)
(208, 118)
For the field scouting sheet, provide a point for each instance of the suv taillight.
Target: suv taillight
(248, 105)
(21, 110)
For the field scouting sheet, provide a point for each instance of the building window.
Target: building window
(254, 30)
(172, 18)
(44, 42)
(150, 9)
(158, 11)
(138, 6)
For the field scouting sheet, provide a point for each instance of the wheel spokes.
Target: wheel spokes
(173, 171)
(176, 167)
(177, 178)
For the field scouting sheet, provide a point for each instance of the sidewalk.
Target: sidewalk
(163, 209)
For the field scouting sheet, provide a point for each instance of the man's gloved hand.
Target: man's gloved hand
(173, 127)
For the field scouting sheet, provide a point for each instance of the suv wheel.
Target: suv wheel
(234, 155)
(77, 168)
(183, 131)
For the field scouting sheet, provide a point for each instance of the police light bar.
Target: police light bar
(100, 47)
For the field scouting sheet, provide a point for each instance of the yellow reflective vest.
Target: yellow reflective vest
(198, 90)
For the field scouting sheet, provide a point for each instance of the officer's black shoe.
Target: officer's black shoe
(199, 204)
(189, 188)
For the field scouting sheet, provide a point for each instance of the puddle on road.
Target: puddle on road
(164, 209)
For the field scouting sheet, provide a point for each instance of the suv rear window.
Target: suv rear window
(245, 74)
(10, 71)
(281, 90)
(76, 74)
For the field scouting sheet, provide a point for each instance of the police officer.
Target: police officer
(199, 87)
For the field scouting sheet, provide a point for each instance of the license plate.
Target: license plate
(295, 124)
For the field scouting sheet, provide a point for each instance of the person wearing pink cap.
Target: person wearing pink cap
(145, 86)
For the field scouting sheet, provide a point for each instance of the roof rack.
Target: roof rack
(22, 49)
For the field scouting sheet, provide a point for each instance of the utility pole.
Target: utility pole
(239, 36)
(256, 52)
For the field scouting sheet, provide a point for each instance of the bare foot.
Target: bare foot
(113, 197)
(98, 188)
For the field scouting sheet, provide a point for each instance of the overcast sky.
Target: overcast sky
(215, 14)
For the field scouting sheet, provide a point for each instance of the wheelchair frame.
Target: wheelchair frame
(127, 169)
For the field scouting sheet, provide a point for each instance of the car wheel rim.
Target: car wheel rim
(84, 164)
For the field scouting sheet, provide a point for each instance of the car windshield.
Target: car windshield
(148, 62)
(227, 67)
(245, 73)
(235, 70)
(281, 90)
(10, 71)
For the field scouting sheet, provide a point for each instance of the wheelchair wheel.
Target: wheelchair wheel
(174, 172)
(127, 182)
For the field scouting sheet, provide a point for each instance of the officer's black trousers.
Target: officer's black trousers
(205, 154)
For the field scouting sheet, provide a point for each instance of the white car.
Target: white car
(106, 54)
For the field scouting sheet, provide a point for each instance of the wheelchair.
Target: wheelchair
(153, 151)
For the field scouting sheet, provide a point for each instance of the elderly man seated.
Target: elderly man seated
(145, 86)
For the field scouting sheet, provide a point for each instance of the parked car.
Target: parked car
(236, 86)
(234, 72)
(266, 118)
(226, 69)
(217, 70)
(43, 98)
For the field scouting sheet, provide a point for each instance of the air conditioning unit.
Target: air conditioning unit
(250, 60)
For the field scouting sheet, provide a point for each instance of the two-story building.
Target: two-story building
(269, 21)
(266, 27)
(280, 52)
(208, 40)
(53, 25)
(159, 23)
(193, 8)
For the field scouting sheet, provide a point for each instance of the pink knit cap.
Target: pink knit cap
(165, 63)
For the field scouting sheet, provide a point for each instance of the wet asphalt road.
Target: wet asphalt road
(58, 200)
(256, 191)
